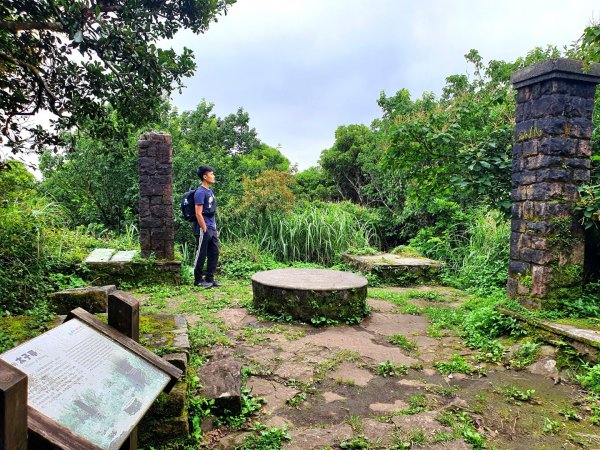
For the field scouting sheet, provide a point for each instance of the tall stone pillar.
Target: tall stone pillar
(551, 158)
(155, 157)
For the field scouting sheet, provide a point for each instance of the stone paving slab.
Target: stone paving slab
(124, 256)
(381, 305)
(275, 394)
(378, 433)
(318, 438)
(348, 372)
(332, 397)
(389, 324)
(357, 341)
(100, 255)
(388, 407)
(235, 317)
(425, 421)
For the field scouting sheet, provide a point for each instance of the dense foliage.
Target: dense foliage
(81, 59)
(431, 172)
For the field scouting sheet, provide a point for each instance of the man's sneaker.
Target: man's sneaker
(204, 284)
(216, 283)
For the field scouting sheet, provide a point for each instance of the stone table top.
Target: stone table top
(389, 259)
(310, 279)
(109, 255)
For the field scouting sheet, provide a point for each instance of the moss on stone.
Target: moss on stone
(316, 307)
(145, 271)
(17, 329)
(156, 332)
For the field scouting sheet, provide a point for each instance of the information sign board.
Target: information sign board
(87, 382)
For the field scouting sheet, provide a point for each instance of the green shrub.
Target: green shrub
(38, 252)
(473, 244)
(243, 258)
(591, 378)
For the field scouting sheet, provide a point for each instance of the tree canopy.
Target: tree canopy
(91, 61)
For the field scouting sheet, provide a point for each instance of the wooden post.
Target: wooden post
(124, 315)
(13, 408)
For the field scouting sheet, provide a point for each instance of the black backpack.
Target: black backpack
(188, 207)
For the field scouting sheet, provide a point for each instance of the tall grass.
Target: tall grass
(318, 233)
(476, 253)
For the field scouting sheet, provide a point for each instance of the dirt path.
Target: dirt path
(334, 387)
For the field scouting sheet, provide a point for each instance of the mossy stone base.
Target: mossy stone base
(397, 270)
(134, 272)
(93, 299)
(311, 295)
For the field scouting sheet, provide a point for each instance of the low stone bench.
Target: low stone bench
(397, 270)
(107, 265)
(314, 296)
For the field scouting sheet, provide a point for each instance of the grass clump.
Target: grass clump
(590, 379)
(389, 369)
(514, 394)
(402, 341)
(457, 364)
(462, 424)
(525, 355)
(266, 438)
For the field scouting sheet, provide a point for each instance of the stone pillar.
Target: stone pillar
(155, 157)
(551, 158)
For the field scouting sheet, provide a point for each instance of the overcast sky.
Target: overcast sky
(301, 68)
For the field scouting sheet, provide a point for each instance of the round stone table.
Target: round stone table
(316, 296)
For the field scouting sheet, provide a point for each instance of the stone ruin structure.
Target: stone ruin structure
(155, 158)
(551, 158)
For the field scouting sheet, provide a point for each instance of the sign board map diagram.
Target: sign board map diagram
(88, 383)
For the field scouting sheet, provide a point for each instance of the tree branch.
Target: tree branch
(25, 26)
(38, 76)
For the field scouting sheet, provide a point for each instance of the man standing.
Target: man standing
(205, 230)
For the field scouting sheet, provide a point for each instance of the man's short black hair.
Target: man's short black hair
(204, 169)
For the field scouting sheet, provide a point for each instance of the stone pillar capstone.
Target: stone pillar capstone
(155, 157)
(551, 158)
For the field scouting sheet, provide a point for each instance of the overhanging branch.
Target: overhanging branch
(26, 26)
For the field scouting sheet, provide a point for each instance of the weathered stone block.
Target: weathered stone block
(584, 148)
(179, 360)
(93, 299)
(546, 191)
(554, 105)
(542, 161)
(540, 257)
(169, 405)
(558, 146)
(539, 227)
(519, 267)
(534, 242)
(556, 126)
(581, 176)
(221, 380)
(579, 127)
(553, 175)
(518, 225)
(511, 286)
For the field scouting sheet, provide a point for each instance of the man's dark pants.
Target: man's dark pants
(207, 250)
